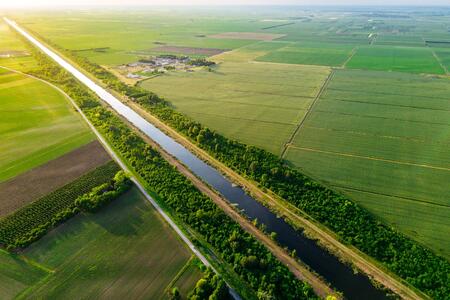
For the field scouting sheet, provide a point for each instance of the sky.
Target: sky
(43, 3)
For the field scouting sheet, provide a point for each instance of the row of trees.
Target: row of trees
(266, 279)
(353, 224)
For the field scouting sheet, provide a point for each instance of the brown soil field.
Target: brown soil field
(189, 50)
(246, 36)
(46, 178)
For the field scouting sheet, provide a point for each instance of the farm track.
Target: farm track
(436, 57)
(371, 158)
(348, 254)
(354, 50)
(308, 112)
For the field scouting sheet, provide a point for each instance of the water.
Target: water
(339, 275)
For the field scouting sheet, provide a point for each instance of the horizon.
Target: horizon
(32, 4)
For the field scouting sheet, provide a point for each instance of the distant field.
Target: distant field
(444, 56)
(257, 103)
(404, 59)
(258, 36)
(123, 251)
(188, 50)
(384, 139)
(11, 46)
(38, 124)
(310, 54)
(150, 29)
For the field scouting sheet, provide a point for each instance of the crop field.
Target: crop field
(383, 138)
(247, 36)
(310, 54)
(12, 51)
(125, 250)
(404, 59)
(150, 30)
(187, 279)
(38, 125)
(444, 56)
(257, 103)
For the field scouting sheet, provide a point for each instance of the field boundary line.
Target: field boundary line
(180, 273)
(348, 188)
(370, 158)
(308, 112)
(349, 58)
(438, 59)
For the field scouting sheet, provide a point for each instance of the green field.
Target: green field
(11, 45)
(38, 124)
(150, 29)
(123, 251)
(257, 103)
(444, 56)
(383, 139)
(310, 54)
(394, 58)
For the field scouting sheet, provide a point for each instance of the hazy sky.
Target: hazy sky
(12, 3)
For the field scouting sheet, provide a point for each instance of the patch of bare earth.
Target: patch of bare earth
(38, 182)
(247, 36)
(189, 50)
